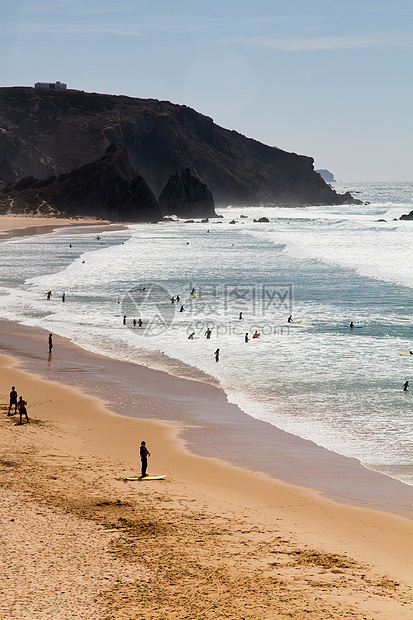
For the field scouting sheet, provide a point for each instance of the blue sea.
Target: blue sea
(326, 266)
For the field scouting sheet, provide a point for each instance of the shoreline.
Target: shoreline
(224, 430)
(212, 427)
(270, 545)
(12, 226)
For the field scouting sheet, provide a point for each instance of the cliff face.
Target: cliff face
(186, 196)
(107, 188)
(63, 130)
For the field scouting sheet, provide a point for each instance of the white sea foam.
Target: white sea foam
(317, 379)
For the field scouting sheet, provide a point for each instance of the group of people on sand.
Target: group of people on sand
(19, 406)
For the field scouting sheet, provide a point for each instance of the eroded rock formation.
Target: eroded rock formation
(186, 196)
(106, 188)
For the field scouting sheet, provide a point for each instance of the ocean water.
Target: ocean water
(325, 266)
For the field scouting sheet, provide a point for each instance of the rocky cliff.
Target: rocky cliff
(107, 188)
(186, 196)
(62, 130)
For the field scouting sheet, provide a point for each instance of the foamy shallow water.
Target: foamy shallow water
(325, 265)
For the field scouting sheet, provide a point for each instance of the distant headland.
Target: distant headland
(49, 133)
(327, 176)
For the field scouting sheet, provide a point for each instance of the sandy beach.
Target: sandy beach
(219, 537)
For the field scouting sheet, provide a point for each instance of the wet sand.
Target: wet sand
(213, 427)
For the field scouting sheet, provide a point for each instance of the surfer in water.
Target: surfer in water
(351, 325)
(246, 337)
(144, 452)
(208, 333)
(216, 353)
(406, 386)
(290, 319)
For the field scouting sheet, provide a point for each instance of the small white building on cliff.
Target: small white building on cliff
(51, 85)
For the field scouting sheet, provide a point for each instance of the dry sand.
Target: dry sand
(23, 225)
(211, 540)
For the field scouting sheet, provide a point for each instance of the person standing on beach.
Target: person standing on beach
(21, 406)
(50, 343)
(144, 458)
(13, 401)
(216, 353)
(247, 337)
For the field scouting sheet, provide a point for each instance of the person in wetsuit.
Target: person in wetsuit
(144, 452)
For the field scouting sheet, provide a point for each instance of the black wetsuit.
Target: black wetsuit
(144, 458)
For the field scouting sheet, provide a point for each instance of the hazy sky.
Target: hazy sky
(332, 80)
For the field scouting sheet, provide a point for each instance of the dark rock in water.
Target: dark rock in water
(233, 222)
(189, 222)
(347, 199)
(407, 216)
(327, 176)
(106, 188)
(381, 220)
(205, 221)
(245, 217)
(262, 219)
(186, 196)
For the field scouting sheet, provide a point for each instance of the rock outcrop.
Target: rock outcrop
(186, 196)
(107, 188)
(64, 130)
(19, 159)
(407, 216)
